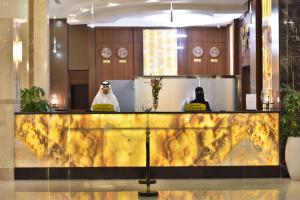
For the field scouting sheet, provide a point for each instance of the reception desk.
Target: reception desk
(97, 142)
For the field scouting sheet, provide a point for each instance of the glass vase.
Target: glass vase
(155, 104)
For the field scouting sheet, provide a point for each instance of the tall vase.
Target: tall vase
(155, 104)
(155, 94)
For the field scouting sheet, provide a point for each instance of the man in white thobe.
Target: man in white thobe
(105, 95)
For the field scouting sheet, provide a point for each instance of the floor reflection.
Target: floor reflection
(241, 189)
(163, 195)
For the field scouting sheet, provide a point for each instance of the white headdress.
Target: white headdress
(109, 98)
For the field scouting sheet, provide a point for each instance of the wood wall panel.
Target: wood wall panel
(59, 62)
(133, 39)
(197, 67)
(114, 70)
(114, 39)
(79, 77)
(138, 52)
(88, 57)
(237, 46)
(78, 55)
(114, 35)
(182, 54)
(220, 67)
(259, 52)
(206, 38)
(92, 63)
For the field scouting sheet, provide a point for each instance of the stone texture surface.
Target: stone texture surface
(7, 89)
(290, 42)
(6, 173)
(6, 58)
(12, 76)
(40, 76)
(289, 45)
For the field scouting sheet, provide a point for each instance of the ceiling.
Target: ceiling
(148, 12)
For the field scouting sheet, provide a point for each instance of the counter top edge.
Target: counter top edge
(84, 113)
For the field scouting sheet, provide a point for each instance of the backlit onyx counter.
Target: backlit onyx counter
(112, 145)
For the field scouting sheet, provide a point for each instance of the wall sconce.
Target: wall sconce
(54, 101)
(17, 51)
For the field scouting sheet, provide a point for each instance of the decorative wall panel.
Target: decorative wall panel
(268, 40)
(118, 140)
(160, 52)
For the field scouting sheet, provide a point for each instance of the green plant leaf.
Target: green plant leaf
(290, 118)
(31, 100)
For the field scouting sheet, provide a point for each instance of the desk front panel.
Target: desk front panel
(118, 140)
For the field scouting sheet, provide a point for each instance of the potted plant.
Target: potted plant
(291, 128)
(32, 100)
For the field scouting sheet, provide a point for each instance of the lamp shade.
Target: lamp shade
(17, 51)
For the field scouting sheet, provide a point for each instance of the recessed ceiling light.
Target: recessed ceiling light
(152, 1)
(112, 4)
(83, 10)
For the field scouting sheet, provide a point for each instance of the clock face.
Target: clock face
(106, 52)
(122, 52)
(198, 52)
(214, 52)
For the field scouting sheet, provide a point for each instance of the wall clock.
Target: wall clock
(214, 52)
(122, 53)
(106, 52)
(198, 51)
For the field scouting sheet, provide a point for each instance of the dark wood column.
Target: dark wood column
(259, 52)
(236, 47)
(59, 61)
(92, 63)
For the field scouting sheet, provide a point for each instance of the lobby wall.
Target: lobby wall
(13, 27)
(79, 52)
(38, 35)
(16, 25)
(7, 99)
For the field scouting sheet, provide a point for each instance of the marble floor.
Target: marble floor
(190, 189)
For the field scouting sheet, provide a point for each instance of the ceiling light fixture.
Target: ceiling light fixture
(54, 37)
(83, 10)
(92, 25)
(112, 4)
(181, 35)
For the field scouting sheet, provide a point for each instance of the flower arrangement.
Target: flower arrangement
(156, 84)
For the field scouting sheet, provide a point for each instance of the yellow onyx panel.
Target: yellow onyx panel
(222, 194)
(118, 140)
(160, 52)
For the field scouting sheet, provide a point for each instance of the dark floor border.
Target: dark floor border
(138, 172)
